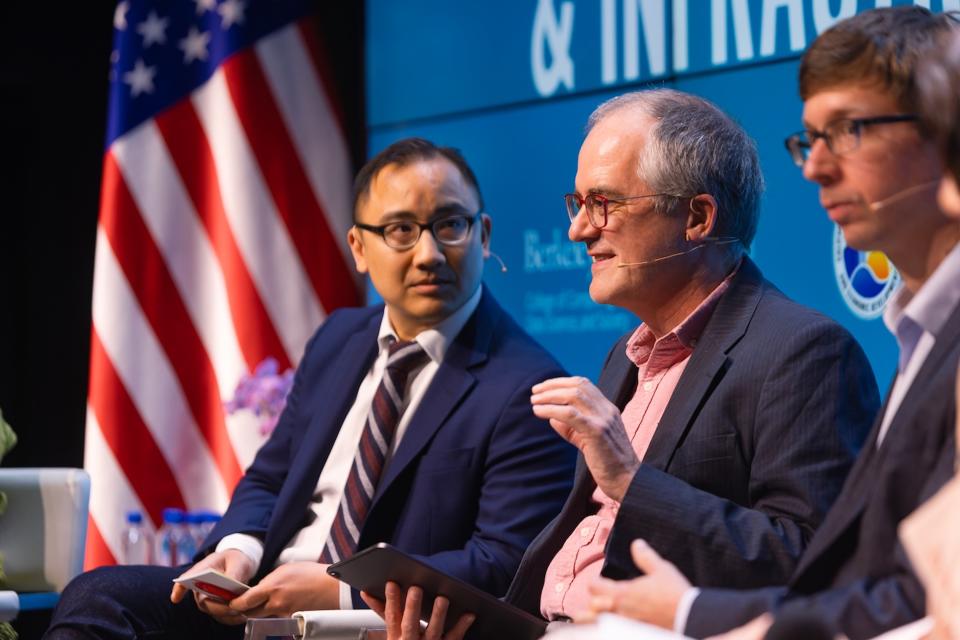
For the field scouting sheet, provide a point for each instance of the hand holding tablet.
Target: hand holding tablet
(369, 570)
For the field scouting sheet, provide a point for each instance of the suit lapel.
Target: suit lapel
(340, 382)
(450, 384)
(858, 488)
(724, 329)
(851, 501)
(851, 498)
(618, 379)
(945, 341)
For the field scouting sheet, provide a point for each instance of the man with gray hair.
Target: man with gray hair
(721, 429)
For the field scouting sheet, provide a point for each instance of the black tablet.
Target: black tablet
(370, 570)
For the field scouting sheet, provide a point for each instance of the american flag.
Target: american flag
(221, 242)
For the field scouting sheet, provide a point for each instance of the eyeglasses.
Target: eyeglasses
(449, 231)
(841, 136)
(596, 205)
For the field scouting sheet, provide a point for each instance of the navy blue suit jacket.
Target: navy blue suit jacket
(750, 453)
(475, 477)
(855, 575)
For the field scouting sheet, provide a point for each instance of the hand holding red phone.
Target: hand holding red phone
(232, 564)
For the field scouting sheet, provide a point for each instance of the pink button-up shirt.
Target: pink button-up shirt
(660, 364)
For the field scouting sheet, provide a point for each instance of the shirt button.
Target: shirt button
(647, 386)
(559, 587)
(585, 532)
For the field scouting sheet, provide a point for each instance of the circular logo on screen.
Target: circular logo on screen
(866, 279)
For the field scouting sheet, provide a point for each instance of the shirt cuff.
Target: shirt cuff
(245, 544)
(346, 596)
(683, 609)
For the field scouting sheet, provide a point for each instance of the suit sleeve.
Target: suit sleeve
(862, 608)
(527, 475)
(797, 434)
(251, 505)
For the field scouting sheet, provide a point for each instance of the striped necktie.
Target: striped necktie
(375, 441)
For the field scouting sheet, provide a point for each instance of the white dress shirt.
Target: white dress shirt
(308, 543)
(915, 320)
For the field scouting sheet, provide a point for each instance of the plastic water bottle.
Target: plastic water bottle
(170, 539)
(210, 520)
(203, 524)
(189, 543)
(135, 545)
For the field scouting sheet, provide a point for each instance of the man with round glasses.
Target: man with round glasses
(721, 429)
(409, 422)
(878, 171)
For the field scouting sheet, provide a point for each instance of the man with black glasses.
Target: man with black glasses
(409, 422)
(723, 427)
(878, 172)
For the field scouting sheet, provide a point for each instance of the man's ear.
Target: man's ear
(357, 249)
(948, 195)
(701, 218)
(486, 228)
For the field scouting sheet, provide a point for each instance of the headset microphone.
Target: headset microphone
(900, 195)
(705, 242)
(503, 267)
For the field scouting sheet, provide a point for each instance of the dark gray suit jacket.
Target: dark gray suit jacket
(750, 453)
(855, 574)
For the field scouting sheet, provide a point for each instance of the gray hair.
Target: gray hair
(695, 148)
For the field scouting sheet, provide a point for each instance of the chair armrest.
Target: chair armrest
(43, 531)
(358, 624)
(9, 605)
(262, 628)
(338, 624)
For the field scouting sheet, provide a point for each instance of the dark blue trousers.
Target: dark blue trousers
(132, 602)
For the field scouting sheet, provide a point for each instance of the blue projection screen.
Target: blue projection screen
(511, 83)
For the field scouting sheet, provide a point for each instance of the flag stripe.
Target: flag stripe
(137, 355)
(146, 271)
(320, 60)
(317, 133)
(298, 208)
(97, 553)
(127, 435)
(160, 199)
(107, 507)
(184, 137)
(221, 243)
(267, 249)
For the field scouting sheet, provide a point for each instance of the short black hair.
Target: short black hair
(405, 152)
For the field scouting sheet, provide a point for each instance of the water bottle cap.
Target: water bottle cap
(209, 516)
(134, 517)
(194, 517)
(173, 516)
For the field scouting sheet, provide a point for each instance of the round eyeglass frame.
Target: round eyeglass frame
(575, 202)
(381, 230)
(800, 144)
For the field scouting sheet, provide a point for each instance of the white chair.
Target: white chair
(360, 624)
(42, 535)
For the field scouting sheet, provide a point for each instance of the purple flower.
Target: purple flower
(264, 392)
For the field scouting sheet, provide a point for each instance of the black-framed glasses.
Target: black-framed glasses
(401, 235)
(597, 205)
(841, 136)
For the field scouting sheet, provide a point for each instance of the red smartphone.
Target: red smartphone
(214, 584)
